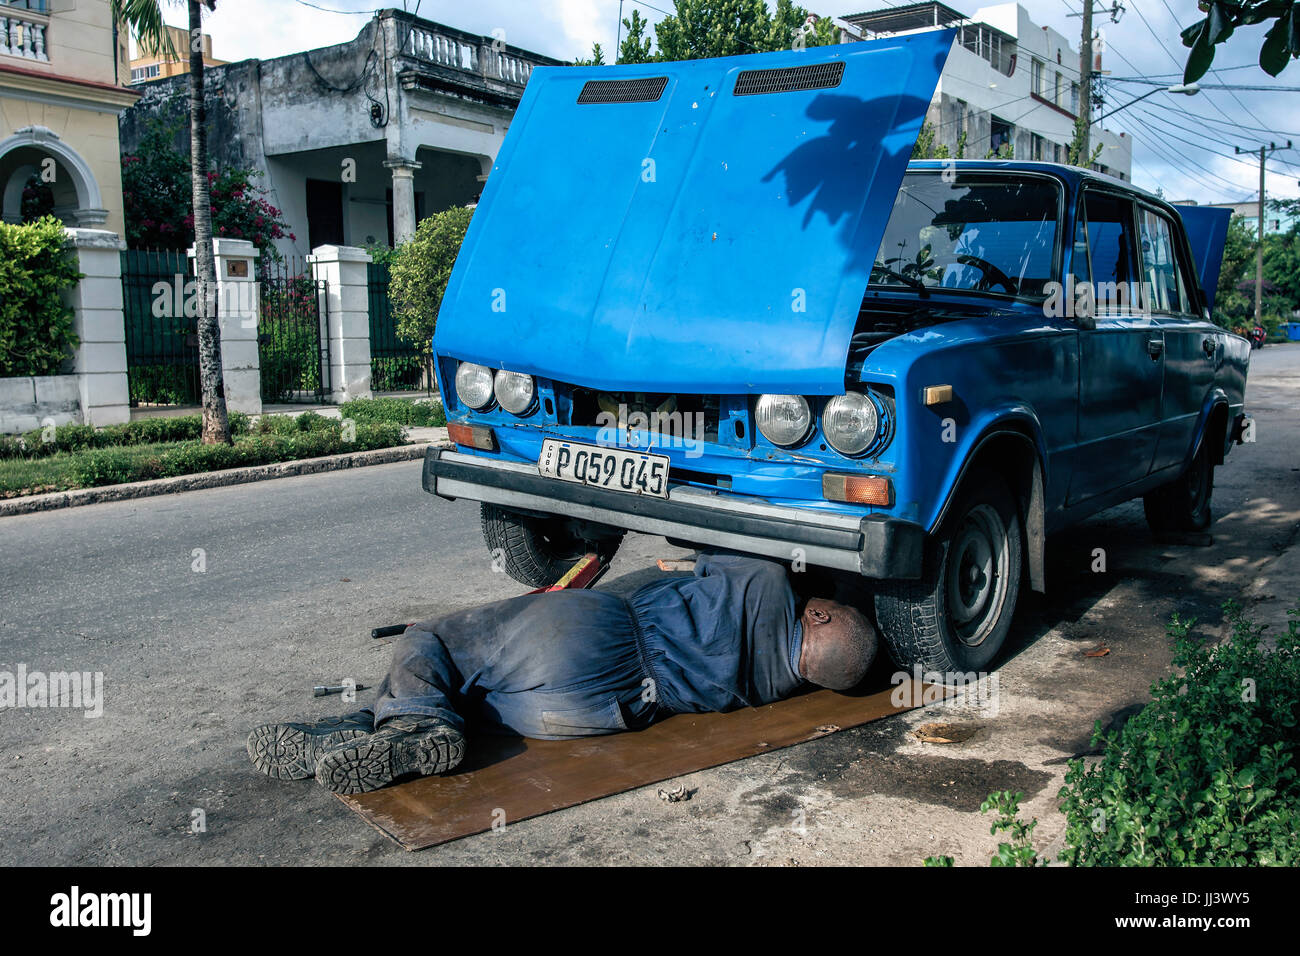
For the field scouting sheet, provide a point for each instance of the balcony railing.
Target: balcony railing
(22, 35)
(477, 56)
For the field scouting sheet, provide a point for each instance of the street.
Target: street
(212, 611)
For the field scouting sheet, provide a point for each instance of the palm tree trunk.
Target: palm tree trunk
(216, 425)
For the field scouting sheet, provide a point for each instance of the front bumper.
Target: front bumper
(875, 546)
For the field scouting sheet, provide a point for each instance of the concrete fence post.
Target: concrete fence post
(344, 268)
(100, 359)
(239, 304)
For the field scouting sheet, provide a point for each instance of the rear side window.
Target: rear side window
(1162, 272)
(1110, 238)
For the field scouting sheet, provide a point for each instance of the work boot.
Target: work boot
(289, 751)
(401, 746)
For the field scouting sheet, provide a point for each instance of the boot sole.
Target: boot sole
(287, 753)
(374, 763)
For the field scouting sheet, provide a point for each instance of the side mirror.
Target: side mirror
(1086, 322)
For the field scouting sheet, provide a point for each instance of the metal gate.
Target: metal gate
(396, 364)
(162, 343)
(292, 333)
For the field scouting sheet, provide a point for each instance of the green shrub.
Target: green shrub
(36, 332)
(1206, 773)
(118, 464)
(417, 414)
(145, 431)
(420, 270)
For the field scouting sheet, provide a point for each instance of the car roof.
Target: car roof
(1074, 175)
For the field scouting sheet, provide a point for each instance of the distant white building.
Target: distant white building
(1007, 80)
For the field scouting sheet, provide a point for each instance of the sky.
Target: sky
(1187, 154)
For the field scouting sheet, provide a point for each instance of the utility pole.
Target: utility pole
(1086, 72)
(1259, 249)
(1085, 84)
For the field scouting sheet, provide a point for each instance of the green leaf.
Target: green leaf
(1219, 23)
(1199, 60)
(1274, 54)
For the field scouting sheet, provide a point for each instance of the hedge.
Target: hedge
(36, 330)
(418, 414)
(111, 466)
(147, 431)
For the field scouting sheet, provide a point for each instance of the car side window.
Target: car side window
(1079, 265)
(1162, 273)
(1110, 243)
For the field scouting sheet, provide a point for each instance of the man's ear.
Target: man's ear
(819, 615)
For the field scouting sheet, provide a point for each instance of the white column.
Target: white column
(100, 359)
(347, 318)
(403, 199)
(238, 310)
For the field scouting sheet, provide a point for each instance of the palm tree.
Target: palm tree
(145, 19)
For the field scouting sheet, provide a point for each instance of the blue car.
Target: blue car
(715, 300)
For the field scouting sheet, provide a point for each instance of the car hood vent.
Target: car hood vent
(815, 76)
(642, 90)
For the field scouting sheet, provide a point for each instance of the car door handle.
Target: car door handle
(1209, 347)
(1155, 347)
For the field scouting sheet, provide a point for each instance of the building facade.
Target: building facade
(155, 64)
(357, 142)
(63, 73)
(1009, 85)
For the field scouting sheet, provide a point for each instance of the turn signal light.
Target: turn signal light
(858, 489)
(472, 436)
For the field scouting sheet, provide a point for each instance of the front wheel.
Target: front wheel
(955, 617)
(538, 551)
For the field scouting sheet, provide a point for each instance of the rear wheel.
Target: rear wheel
(1184, 503)
(537, 551)
(956, 616)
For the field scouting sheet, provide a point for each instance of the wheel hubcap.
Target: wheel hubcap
(977, 574)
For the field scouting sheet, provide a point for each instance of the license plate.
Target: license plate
(630, 471)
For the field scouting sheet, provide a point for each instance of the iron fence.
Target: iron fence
(292, 332)
(396, 364)
(162, 343)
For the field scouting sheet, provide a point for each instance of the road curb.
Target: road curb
(213, 479)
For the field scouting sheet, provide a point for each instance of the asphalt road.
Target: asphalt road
(295, 572)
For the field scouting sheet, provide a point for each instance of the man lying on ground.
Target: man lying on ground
(574, 663)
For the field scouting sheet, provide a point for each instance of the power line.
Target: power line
(1168, 52)
(1176, 160)
(352, 13)
(1207, 86)
(1179, 74)
(1234, 96)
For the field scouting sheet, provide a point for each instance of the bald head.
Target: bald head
(839, 644)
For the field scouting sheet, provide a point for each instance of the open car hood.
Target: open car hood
(703, 226)
(1207, 233)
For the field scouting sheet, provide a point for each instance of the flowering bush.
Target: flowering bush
(157, 194)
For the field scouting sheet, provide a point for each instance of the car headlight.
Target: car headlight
(783, 419)
(850, 423)
(474, 384)
(515, 391)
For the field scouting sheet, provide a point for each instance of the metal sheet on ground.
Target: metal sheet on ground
(527, 778)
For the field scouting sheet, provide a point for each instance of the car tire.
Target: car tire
(954, 619)
(538, 551)
(1184, 503)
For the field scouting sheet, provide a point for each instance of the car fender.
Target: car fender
(1216, 398)
(1019, 423)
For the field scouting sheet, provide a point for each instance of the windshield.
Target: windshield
(978, 233)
